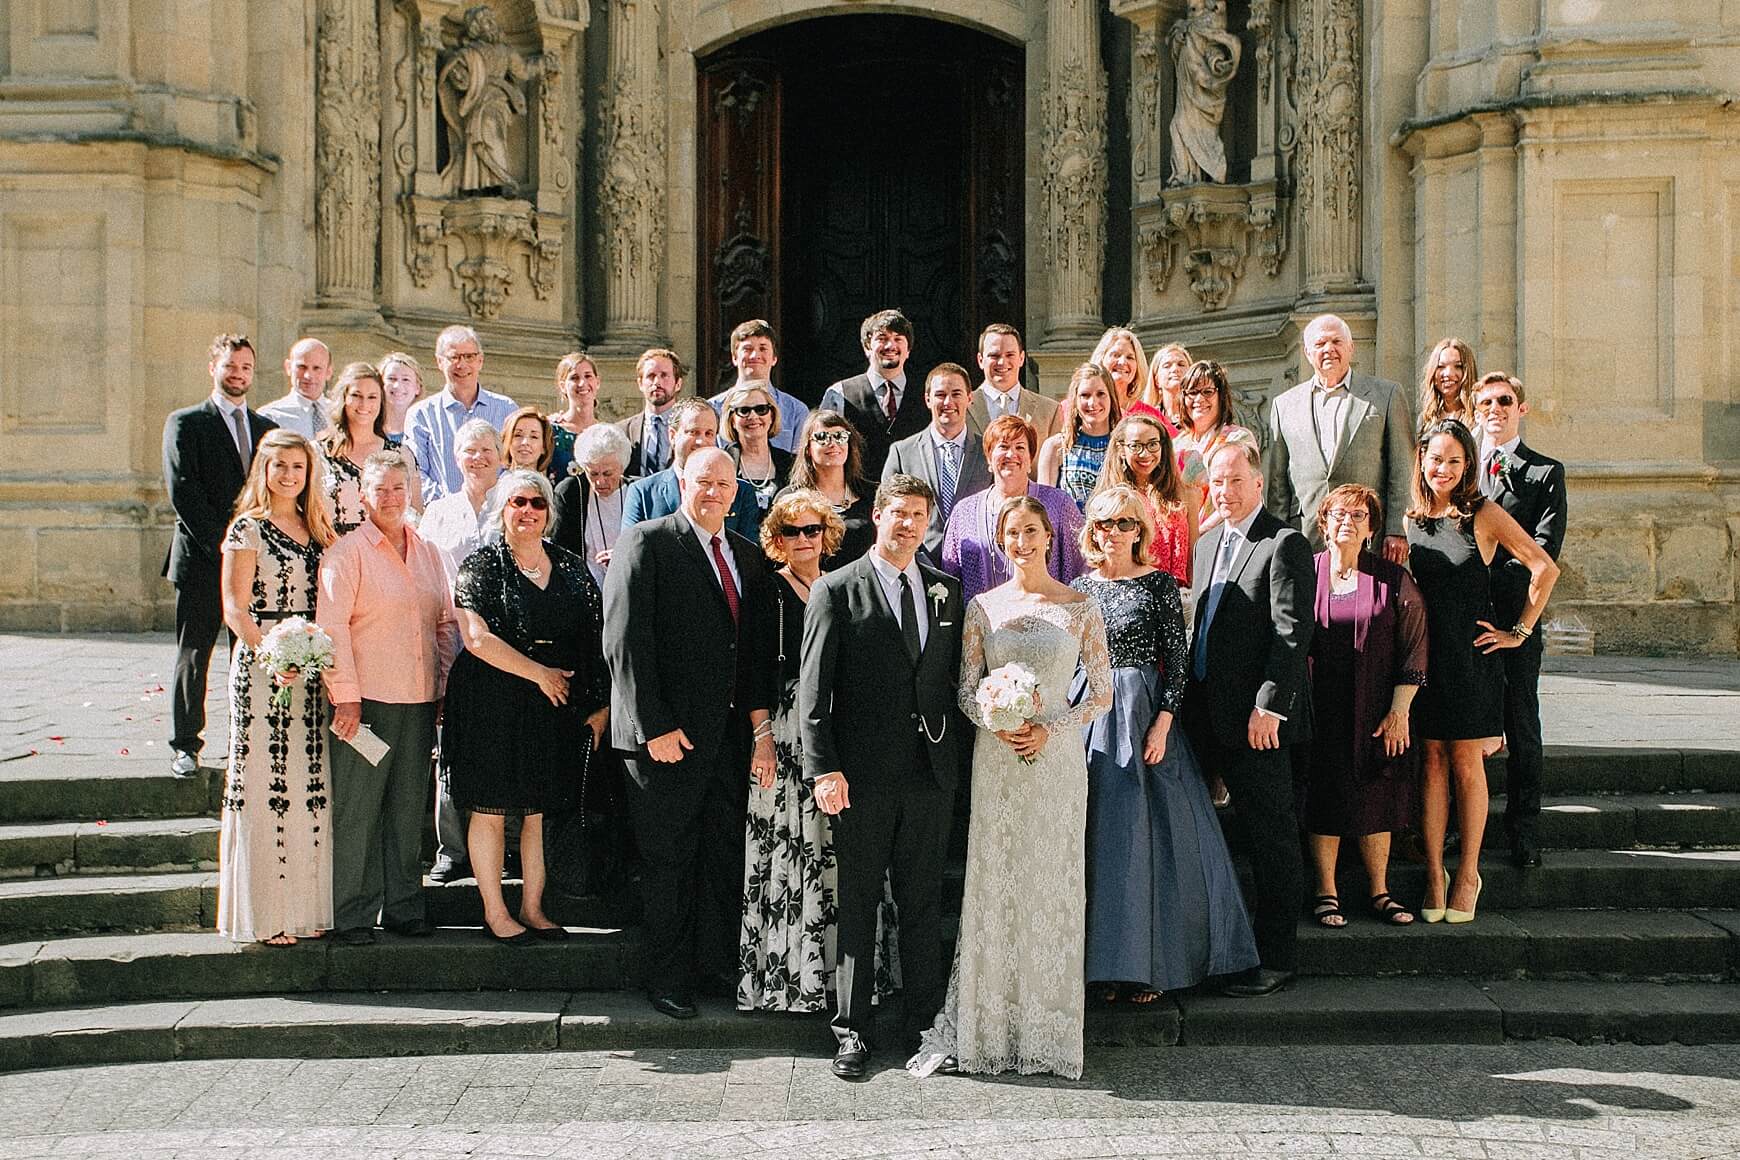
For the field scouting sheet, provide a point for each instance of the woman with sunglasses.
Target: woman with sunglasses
(748, 421)
(1164, 909)
(830, 459)
(1208, 425)
(1141, 458)
(527, 701)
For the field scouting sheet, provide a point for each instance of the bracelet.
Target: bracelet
(765, 729)
(1522, 630)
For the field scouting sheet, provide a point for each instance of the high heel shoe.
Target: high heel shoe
(1437, 913)
(1451, 914)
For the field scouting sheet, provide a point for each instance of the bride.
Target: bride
(1015, 995)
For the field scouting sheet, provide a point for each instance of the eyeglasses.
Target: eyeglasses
(1201, 392)
(753, 409)
(1122, 524)
(1495, 401)
(536, 502)
(826, 437)
(1346, 516)
(1143, 447)
(463, 355)
(803, 531)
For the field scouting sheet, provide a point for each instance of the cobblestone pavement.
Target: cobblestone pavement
(1524, 1102)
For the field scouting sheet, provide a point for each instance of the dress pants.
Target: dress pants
(689, 823)
(1522, 738)
(199, 615)
(377, 818)
(450, 824)
(898, 834)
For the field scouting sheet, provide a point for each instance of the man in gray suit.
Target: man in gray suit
(1339, 427)
(947, 454)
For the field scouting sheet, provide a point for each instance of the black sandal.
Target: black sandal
(1327, 906)
(1388, 910)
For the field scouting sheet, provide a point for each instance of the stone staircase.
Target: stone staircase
(1631, 931)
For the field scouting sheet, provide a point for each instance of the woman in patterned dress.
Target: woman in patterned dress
(358, 431)
(1141, 457)
(275, 860)
(577, 391)
(1209, 424)
(1072, 458)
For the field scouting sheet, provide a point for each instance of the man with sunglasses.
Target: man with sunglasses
(754, 353)
(1531, 487)
(693, 426)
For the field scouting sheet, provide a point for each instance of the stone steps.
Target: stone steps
(1575, 769)
(59, 848)
(323, 1024)
(54, 787)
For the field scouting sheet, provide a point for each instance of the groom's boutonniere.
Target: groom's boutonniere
(1501, 464)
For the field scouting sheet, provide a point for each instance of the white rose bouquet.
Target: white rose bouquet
(1008, 698)
(295, 648)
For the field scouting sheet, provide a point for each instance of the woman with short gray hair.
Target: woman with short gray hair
(589, 503)
(455, 522)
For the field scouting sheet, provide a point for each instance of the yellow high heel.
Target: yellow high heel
(1451, 914)
(1436, 913)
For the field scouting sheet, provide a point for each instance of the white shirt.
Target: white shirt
(889, 577)
(228, 410)
(1002, 402)
(938, 441)
(452, 526)
(1329, 413)
(306, 417)
(877, 382)
(706, 539)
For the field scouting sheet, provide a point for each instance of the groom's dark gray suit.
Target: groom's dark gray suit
(889, 721)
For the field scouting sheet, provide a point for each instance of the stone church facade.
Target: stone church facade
(1556, 183)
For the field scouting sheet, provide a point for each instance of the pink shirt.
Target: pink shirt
(391, 621)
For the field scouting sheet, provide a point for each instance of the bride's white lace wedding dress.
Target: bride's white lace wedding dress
(1015, 994)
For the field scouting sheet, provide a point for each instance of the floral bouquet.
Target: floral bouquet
(295, 647)
(1008, 698)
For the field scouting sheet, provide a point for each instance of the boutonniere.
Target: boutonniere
(1501, 463)
(939, 592)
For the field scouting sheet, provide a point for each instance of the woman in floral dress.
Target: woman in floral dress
(358, 431)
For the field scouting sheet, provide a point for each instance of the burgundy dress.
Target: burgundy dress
(1367, 642)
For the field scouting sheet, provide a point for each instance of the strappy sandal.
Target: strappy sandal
(1388, 910)
(1143, 996)
(1325, 907)
(281, 939)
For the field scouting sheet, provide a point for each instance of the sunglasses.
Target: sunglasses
(753, 409)
(1122, 524)
(1495, 401)
(804, 531)
(536, 502)
(1144, 447)
(827, 437)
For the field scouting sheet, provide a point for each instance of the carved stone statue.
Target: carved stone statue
(483, 101)
(1204, 58)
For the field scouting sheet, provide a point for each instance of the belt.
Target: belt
(282, 615)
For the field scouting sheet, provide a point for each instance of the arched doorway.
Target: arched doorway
(849, 163)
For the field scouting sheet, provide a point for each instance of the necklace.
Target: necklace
(529, 573)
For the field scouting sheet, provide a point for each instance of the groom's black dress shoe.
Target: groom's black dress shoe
(1255, 982)
(675, 1006)
(852, 1058)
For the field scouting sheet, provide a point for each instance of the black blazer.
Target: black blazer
(1532, 490)
(203, 475)
(671, 644)
(1261, 636)
(861, 699)
(865, 413)
(573, 501)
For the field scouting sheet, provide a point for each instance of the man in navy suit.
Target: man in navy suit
(882, 402)
(207, 450)
(1531, 487)
(694, 425)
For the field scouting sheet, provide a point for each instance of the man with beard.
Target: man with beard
(878, 402)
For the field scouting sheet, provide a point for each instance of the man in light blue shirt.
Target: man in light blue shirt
(754, 353)
(303, 410)
(432, 422)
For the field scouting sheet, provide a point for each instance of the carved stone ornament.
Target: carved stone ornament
(1216, 228)
(1205, 56)
(483, 241)
(1074, 115)
(1144, 103)
(346, 149)
(483, 104)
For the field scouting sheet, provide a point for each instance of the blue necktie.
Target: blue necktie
(656, 445)
(1216, 586)
(950, 479)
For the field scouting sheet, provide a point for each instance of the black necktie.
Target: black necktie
(909, 619)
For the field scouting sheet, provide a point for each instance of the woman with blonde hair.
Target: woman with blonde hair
(1119, 351)
(1166, 383)
(1447, 385)
(358, 409)
(1141, 457)
(274, 857)
(1072, 458)
(402, 377)
(1163, 904)
(577, 392)
(748, 421)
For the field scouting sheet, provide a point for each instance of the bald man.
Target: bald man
(303, 409)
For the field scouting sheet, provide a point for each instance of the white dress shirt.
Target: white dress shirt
(706, 539)
(889, 577)
(1239, 533)
(1329, 413)
(877, 382)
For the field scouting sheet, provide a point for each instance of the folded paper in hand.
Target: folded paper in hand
(367, 743)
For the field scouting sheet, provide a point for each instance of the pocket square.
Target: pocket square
(945, 624)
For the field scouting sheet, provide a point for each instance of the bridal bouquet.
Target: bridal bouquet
(294, 648)
(1008, 698)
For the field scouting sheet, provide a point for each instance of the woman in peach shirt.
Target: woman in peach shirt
(385, 602)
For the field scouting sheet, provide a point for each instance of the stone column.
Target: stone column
(631, 179)
(1329, 180)
(347, 152)
(1073, 112)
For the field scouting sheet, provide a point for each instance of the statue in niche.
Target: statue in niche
(1204, 58)
(483, 100)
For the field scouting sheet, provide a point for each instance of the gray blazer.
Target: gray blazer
(1376, 449)
(915, 456)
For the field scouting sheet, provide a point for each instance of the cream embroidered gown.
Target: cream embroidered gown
(1015, 995)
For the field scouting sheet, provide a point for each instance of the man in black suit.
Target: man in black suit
(674, 598)
(882, 737)
(1531, 487)
(878, 402)
(1247, 700)
(207, 449)
(948, 455)
(658, 375)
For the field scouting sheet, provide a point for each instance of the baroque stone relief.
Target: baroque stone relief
(1204, 58)
(346, 150)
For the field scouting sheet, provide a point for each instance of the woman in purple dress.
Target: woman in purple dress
(1368, 659)
(970, 549)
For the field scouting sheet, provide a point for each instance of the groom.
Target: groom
(882, 652)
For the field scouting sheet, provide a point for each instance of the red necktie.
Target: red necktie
(888, 403)
(725, 581)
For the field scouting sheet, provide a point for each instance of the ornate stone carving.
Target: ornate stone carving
(631, 194)
(483, 103)
(1073, 129)
(1328, 154)
(346, 150)
(742, 265)
(1204, 58)
(1216, 228)
(1144, 104)
(1261, 25)
(483, 239)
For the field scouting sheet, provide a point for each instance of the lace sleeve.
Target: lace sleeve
(1410, 632)
(973, 662)
(1096, 659)
(1174, 649)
